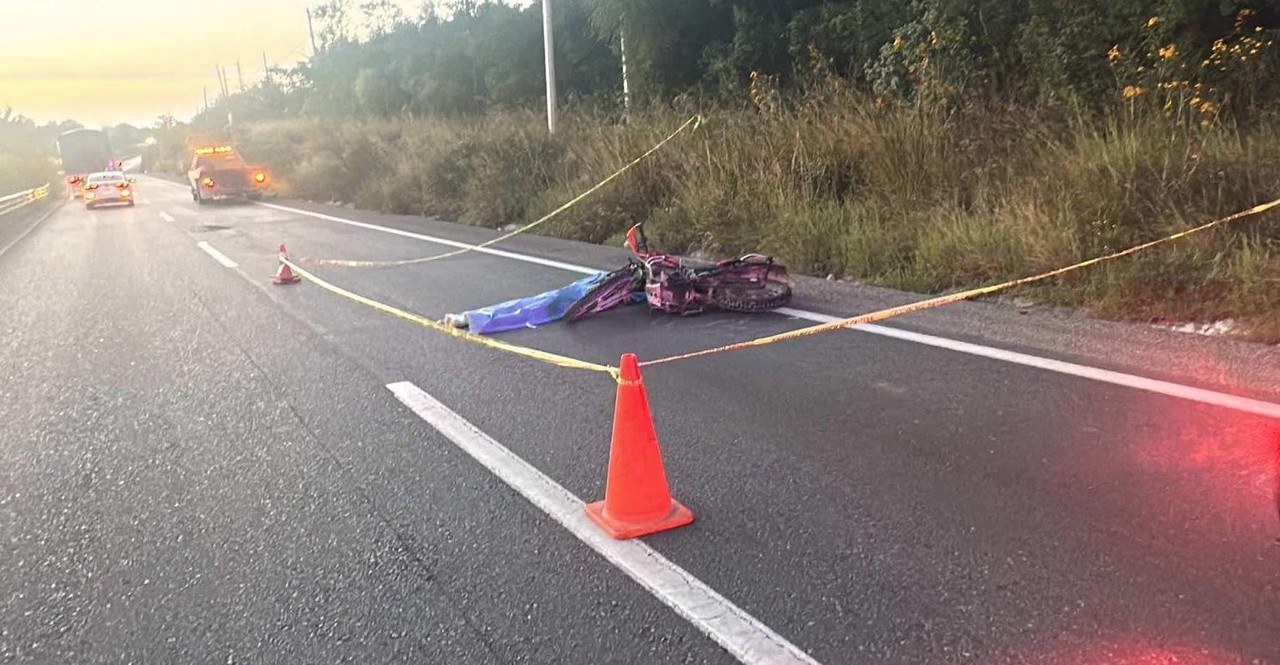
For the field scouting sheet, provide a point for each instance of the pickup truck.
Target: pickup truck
(218, 172)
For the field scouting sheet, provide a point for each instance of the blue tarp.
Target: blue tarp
(532, 311)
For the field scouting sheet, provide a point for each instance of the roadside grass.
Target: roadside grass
(909, 197)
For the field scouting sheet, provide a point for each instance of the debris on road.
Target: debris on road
(752, 283)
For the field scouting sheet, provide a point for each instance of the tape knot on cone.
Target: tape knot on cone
(637, 500)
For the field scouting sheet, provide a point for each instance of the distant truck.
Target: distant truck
(83, 151)
(218, 172)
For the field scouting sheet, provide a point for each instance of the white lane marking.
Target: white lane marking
(31, 228)
(732, 628)
(146, 202)
(1245, 404)
(439, 241)
(217, 256)
(167, 217)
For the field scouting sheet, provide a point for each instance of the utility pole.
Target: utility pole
(626, 80)
(549, 45)
(266, 72)
(206, 99)
(311, 31)
(222, 83)
(240, 75)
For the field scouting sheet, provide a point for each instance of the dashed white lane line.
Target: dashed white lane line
(217, 256)
(166, 217)
(749, 640)
(1181, 391)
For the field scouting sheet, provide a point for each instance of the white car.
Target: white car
(107, 188)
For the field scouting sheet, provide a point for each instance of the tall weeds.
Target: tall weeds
(905, 196)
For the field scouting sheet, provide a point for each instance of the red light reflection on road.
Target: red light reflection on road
(1214, 452)
(1199, 482)
(1140, 651)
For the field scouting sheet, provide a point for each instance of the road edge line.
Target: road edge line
(1112, 377)
(1167, 388)
(550, 263)
(13, 243)
(742, 635)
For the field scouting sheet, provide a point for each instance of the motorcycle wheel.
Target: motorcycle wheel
(751, 297)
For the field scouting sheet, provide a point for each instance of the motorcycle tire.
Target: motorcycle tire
(751, 297)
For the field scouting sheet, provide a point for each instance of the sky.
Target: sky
(103, 62)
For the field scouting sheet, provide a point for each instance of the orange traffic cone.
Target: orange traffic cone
(637, 501)
(284, 274)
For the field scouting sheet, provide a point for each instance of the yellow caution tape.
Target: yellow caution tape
(534, 354)
(693, 122)
(940, 301)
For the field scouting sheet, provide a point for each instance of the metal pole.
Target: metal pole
(311, 31)
(549, 44)
(222, 82)
(626, 80)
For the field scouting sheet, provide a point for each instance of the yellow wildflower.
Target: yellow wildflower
(1114, 54)
(1153, 21)
(1169, 51)
(1131, 91)
(1243, 17)
(898, 42)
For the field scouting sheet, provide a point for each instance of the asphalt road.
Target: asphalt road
(199, 466)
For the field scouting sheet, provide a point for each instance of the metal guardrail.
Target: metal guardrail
(23, 199)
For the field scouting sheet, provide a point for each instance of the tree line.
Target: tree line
(473, 56)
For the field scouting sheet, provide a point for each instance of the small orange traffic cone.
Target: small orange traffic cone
(637, 501)
(284, 274)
